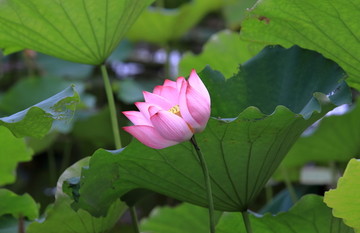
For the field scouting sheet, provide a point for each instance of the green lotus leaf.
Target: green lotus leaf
(18, 205)
(12, 151)
(84, 31)
(37, 120)
(344, 200)
(309, 215)
(243, 152)
(159, 25)
(329, 27)
(60, 217)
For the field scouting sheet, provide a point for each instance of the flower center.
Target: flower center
(175, 110)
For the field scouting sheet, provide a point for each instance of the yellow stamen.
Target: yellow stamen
(175, 110)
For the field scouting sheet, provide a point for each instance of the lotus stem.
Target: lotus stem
(112, 107)
(21, 224)
(247, 223)
(290, 187)
(116, 132)
(134, 219)
(207, 183)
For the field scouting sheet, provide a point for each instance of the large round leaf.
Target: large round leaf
(84, 31)
(241, 153)
(330, 27)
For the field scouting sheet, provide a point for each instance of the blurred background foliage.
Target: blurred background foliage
(170, 38)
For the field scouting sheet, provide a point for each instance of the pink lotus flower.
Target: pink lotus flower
(172, 113)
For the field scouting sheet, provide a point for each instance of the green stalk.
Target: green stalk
(112, 107)
(116, 132)
(21, 224)
(290, 187)
(334, 177)
(134, 219)
(247, 223)
(207, 183)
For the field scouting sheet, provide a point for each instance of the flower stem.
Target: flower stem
(21, 224)
(290, 187)
(334, 178)
(247, 223)
(134, 219)
(112, 107)
(207, 183)
(116, 132)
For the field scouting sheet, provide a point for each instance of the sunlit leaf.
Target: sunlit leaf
(37, 120)
(241, 153)
(345, 199)
(221, 43)
(75, 30)
(18, 205)
(327, 26)
(309, 215)
(159, 25)
(62, 218)
(183, 218)
(12, 151)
